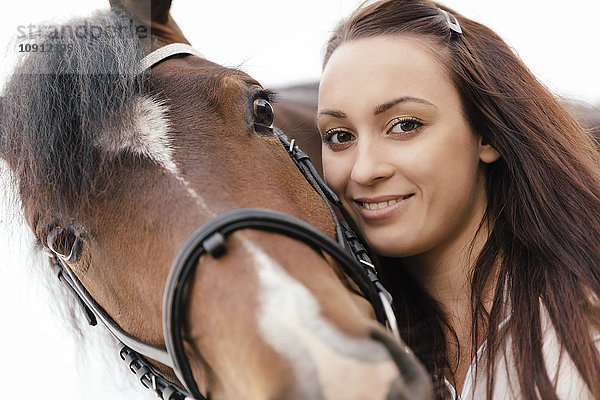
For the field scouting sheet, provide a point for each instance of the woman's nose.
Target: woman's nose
(371, 164)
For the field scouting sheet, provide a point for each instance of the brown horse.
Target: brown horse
(115, 169)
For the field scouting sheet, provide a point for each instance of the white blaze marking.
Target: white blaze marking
(328, 363)
(146, 133)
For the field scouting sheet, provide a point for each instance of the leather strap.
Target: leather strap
(165, 52)
(211, 235)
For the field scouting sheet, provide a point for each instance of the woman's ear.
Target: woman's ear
(487, 153)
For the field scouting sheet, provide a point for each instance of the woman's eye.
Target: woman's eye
(405, 125)
(341, 137)
(338, 138)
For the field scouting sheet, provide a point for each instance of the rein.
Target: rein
(210, 238)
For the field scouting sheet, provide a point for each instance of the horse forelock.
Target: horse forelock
(58, 106)
(144, 131)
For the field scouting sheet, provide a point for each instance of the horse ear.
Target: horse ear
(158, 11)
(155, 14)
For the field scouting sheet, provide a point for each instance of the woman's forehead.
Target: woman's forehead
(380, 68)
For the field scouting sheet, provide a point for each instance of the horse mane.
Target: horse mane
(57, 105)
(54, 109)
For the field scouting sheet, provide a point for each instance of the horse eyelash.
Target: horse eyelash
(267, 94)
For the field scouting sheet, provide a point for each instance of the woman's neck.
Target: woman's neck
(445, 274)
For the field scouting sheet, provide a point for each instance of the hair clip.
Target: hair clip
(455, 26)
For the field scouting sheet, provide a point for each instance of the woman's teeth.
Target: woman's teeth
(377, 206)
(382, 204)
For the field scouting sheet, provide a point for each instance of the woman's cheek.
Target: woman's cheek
(335, 173)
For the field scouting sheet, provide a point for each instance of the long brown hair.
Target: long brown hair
(543, 205)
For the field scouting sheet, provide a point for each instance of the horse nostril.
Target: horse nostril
(414, 381)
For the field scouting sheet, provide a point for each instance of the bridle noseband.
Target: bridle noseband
(211, 239)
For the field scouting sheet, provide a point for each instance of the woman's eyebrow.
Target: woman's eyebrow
(379, 109)
(387, 105)
(333, 113)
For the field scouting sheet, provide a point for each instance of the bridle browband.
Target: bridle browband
(164, 52)
(210, 238)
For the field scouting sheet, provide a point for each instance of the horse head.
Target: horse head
(116, 167)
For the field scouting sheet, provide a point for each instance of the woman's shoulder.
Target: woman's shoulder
(559, 364)
(560, 367)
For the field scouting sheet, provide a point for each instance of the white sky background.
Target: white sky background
(278, 43)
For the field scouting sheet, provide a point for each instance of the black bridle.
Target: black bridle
(211, 238)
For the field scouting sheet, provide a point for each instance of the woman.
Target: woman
(479, 192)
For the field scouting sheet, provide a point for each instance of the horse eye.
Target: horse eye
(64, 243)
(263, 115)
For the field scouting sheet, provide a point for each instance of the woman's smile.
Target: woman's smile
(381, 207)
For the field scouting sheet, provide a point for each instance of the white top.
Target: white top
(562, 370)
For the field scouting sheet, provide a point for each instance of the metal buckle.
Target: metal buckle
(368, 264)
(389, 314)
(155, 388)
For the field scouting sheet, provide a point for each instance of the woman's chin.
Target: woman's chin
(389, 246)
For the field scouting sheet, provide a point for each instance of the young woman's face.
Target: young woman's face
(397, 147)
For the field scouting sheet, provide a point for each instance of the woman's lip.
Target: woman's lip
(381, 212)
(380, 199)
